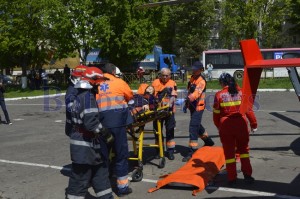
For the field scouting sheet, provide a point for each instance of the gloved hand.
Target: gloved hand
(106, 135)
(253, 130)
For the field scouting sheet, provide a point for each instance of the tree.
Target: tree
(191, 25)
(260, 19)
(77, 27)
(122, 32)
(294, 17)
(23, 39)
(134, 31)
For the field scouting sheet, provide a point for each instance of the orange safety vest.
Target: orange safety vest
(199, 93)
(159, 86)
(113, 93)
(142, 88)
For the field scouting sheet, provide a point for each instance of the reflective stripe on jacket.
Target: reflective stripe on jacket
(226, 105)
(113, 94)
(197, 98)
(84, 146)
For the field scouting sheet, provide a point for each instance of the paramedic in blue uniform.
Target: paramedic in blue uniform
(112, 98)
(86, 140)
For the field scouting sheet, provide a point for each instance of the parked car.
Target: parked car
(6, 79)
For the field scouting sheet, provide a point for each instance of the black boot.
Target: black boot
(124, 192)
(248, 179)
(170, 155)
(189, 155)
(208, 141)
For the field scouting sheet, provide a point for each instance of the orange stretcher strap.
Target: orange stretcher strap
(205, 164)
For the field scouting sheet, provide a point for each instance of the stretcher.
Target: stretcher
(137, 132)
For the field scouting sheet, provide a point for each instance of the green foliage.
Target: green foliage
(24, 41)
(193, 25)
(32, 32)
(285, 83)
(261, 19)
(77, 25)
(135, 32)
(294, 18)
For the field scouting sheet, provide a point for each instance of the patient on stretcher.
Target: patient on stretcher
(143, 102)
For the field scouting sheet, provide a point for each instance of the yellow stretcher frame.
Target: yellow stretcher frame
(137, 128)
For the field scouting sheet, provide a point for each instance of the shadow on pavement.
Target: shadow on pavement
(280, 189)
(285, 118)
(250, 197)
(294, 146)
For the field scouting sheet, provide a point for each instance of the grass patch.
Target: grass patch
(15, 92)
(271, 83)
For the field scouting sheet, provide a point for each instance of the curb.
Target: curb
(179, 90)
(35, 97)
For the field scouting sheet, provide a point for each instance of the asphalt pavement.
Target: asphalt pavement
(35, 159)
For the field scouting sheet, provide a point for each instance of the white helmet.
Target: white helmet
(83, 84)
(118, 72)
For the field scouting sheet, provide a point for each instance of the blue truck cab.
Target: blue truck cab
(164, 60)
(168, 61)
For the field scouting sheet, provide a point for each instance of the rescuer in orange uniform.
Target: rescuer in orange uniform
(233, 127)
(166, 90)
(112, 99)
(195, 102)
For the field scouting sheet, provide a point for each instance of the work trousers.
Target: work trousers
(120, 149)
(83, 175)
(170, 124)
(234, 135)
(3, 106)
(195, 129)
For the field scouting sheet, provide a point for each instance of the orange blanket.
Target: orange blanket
(205, 164)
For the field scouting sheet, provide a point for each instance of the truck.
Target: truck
(158, 60)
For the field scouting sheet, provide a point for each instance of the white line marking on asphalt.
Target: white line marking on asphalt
(31, 164)
(271, 111)
(18, 119)
(250, 192)
(34, 105)
(58, 121)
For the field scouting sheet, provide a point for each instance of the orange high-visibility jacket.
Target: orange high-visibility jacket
(142, 88)
(225, 105)
(113, 94)
(199, 93)
(159, 86)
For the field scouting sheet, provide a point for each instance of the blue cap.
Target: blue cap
(197, 65)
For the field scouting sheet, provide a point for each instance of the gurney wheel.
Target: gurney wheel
(137, 175)
(162, 163)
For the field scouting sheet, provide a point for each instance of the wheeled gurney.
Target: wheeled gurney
(137, 132)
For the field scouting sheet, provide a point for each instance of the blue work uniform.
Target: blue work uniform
(112, 99)
(88, 166)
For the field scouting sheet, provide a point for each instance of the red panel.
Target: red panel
(254, 64)
(250, 51)
(275, 63)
